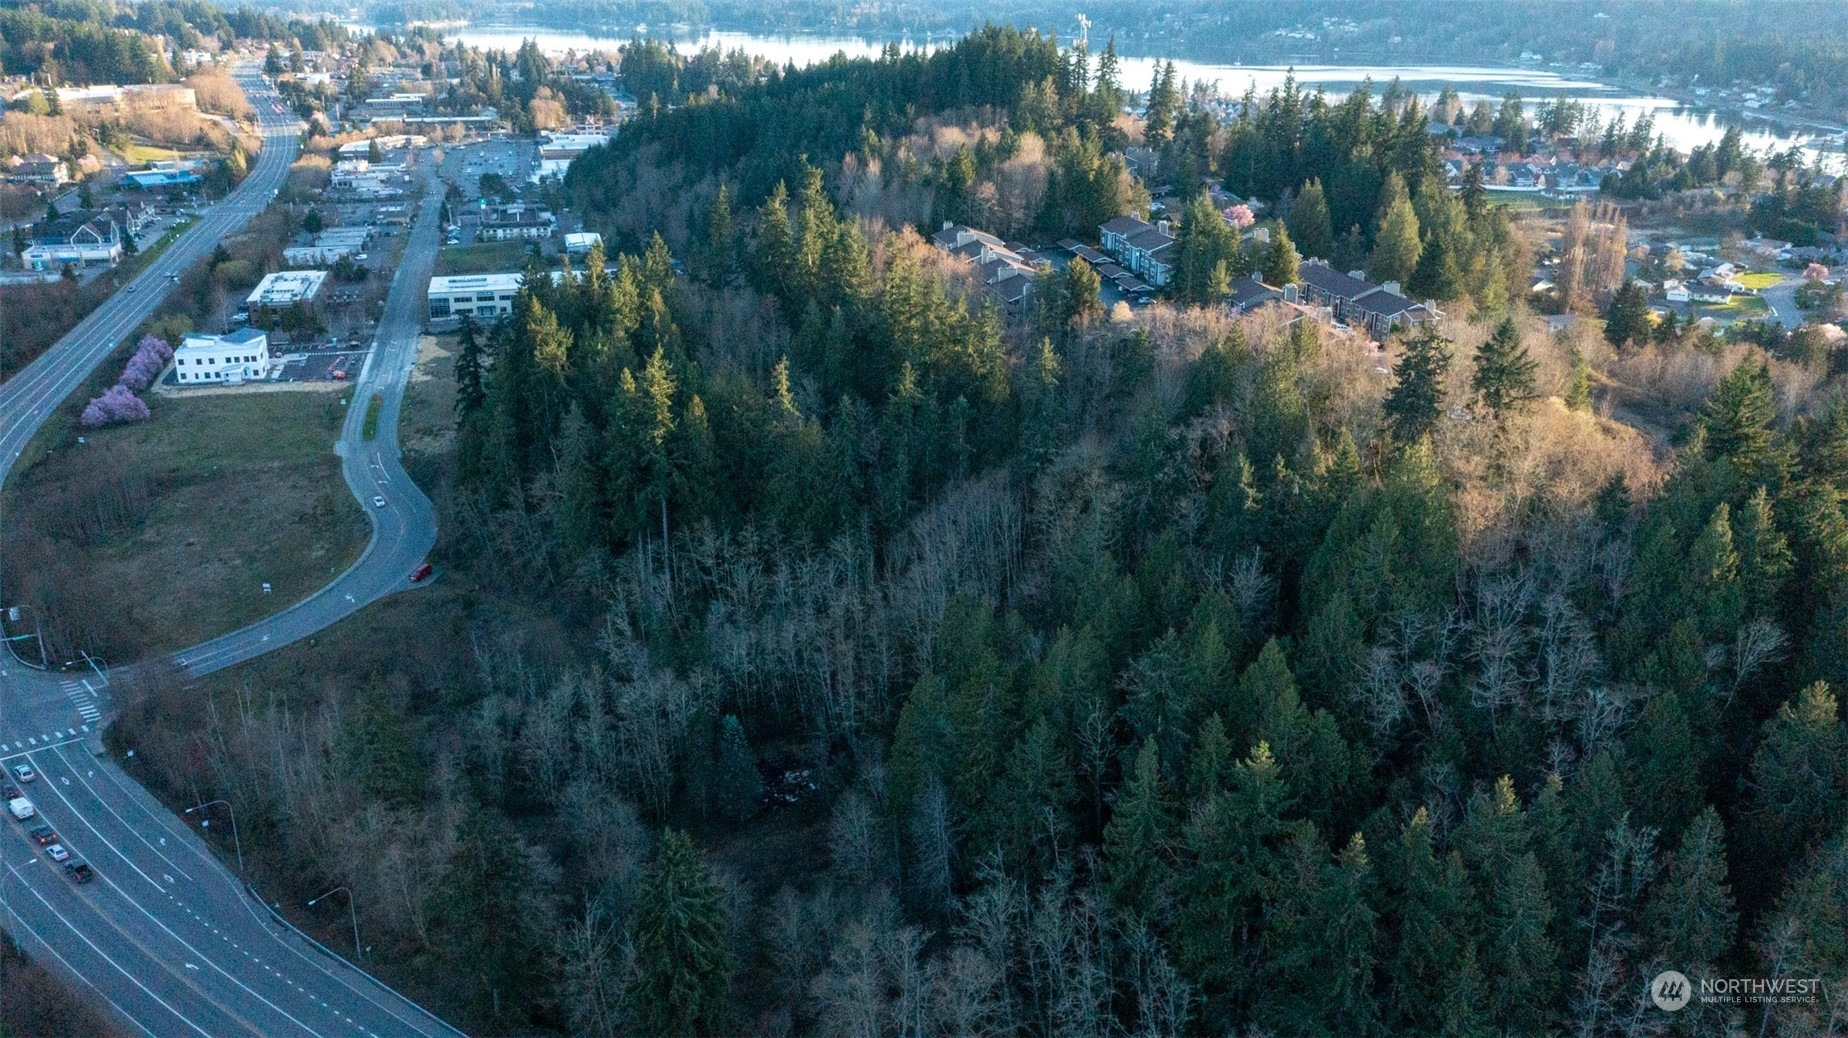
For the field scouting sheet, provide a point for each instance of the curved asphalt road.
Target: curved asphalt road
(404, 529)
(165, 934)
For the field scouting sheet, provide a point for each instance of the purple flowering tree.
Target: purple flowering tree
(117, 404)
(150, 359)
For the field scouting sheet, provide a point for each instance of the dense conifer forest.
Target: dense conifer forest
(828, 651)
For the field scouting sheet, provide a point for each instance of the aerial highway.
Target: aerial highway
(164, 933)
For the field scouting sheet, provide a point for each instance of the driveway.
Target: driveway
(1782, 298)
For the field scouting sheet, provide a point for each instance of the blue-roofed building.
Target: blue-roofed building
(156, 179)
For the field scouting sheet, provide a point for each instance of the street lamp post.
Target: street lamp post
(206, 823)
(350, 912)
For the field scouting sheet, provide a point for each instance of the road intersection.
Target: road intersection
(165, 934)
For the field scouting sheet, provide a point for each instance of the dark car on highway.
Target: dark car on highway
(44, 834)
(79, 870)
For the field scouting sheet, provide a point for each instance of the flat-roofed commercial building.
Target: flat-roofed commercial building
(286, 288)
(243, 354)
(482, 296)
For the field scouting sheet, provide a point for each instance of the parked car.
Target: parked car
(79, 871)
(25, 772)
(58, 853)
(420, 572)
(10, 792)
(44, 834)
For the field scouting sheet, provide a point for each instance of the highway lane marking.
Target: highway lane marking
(74, 971)
(105, 955)
(41, 749)
(126, 860)
(110, 882)
(118, 816)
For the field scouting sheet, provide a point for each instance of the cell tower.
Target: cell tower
(1084, 30)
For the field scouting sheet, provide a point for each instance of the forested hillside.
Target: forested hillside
(820, 650)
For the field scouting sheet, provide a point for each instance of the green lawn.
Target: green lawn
(1742, 308)
(1760, 281)
(495, 257)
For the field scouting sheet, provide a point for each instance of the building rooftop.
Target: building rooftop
(1332, 281)
(286, 286)
(476, 283)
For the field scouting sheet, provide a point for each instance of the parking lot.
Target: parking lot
(514, 160)
(341, 365)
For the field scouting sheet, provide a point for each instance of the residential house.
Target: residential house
(1005, 270)
(1248, 293)
(1149, 250)
(38, 169)
(1351, 298)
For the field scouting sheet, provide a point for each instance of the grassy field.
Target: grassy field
(154, 536)
(140, 153)
(495, 257)
(1741, 308)
(1760, 281)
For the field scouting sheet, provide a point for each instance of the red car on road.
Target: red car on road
(420, 572)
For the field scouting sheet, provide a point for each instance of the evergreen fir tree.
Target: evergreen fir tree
(776, 243)
(1281, 261)
(1737, 419)
(721, 241)
(738, 789)
(1310, 226)
(1397, 248)
(682, 953)
(1415, 402)
(1799, 776)
(1437, 275)
(1627, 319)
(1162, 110)
(1137, 840)
(1504, 377)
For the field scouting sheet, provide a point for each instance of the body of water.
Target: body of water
(1683, 127)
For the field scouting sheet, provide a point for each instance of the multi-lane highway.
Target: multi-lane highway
(164, 933)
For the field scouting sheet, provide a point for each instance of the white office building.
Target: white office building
(286, 288)
(579, 243)
(482, 296)
(222, 359)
